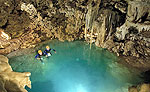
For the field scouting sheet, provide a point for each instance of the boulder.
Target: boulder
(11, 81)
(140, 88)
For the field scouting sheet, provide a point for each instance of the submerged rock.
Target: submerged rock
(11, 81)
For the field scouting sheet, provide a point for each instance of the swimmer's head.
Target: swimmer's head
(47, 47)
(40, 52)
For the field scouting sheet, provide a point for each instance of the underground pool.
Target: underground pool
(75, 68)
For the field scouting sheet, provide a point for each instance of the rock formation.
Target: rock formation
(122, 23)
(27, 40)
(12, 81)
(121, 26)
(140, 88)
(131, 38)
(4, 35)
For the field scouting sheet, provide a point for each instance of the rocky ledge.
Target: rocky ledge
(12, 81)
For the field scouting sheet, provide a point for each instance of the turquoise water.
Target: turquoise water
(75, 68)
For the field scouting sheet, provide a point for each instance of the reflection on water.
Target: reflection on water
(75, 68)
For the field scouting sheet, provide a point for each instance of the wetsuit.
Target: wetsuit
(48, 51)
(39, 56)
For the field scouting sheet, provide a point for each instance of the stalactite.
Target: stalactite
(91, 15)
(85, 32)
(91, 38)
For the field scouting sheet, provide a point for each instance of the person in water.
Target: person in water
(47, 52)
(39, 55)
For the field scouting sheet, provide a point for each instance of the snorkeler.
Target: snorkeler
(39, 55)
(47, 52)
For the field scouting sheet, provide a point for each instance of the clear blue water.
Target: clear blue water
(75, 68)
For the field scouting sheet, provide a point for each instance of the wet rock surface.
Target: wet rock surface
(12, 81)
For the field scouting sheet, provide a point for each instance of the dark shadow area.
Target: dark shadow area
(84, 3)
(115, 39)
(143, 18)
(146, 76)
(133, 30)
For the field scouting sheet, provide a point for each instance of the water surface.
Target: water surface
(75, 68)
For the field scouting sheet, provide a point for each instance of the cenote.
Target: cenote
(75, 68)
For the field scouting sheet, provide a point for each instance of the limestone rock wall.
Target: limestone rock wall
(125, 30)
(12, 19)
(121, 26)
(29, 22)
(27, 40)
(12, 81)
